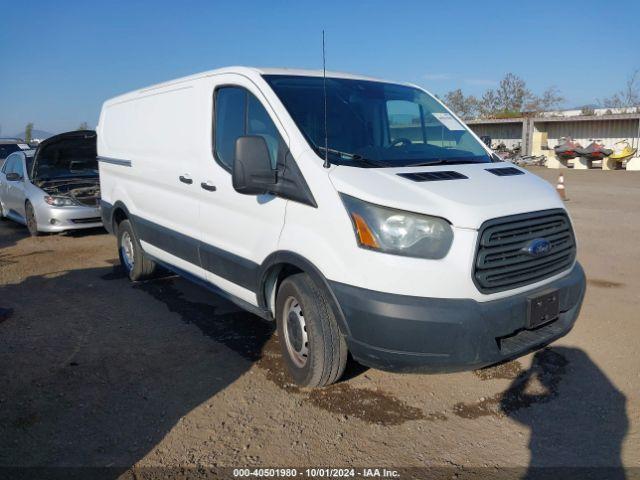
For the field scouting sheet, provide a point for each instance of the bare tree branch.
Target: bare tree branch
(464, 106)
(629, 96)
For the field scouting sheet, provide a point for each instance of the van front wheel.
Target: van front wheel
(313, 349)
(132, 258)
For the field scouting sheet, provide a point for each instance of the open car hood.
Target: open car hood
(65, 153)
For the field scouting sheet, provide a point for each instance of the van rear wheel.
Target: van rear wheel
(313, 349)
(135, 262)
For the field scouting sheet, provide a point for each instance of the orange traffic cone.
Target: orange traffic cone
(560, 187)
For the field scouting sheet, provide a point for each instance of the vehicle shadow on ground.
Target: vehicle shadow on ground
(583, 420)
(85, 232)
(93, 372)
(11, 232)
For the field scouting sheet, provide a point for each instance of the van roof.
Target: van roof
(314, 73)
(247, 71)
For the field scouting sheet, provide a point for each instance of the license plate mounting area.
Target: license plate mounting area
(543, 308)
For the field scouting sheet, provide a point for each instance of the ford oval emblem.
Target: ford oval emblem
(538, 247)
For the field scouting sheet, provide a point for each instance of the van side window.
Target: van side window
(239, 112)
(259, 123)
(230, 108)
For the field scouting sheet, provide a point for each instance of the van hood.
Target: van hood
(465, 202)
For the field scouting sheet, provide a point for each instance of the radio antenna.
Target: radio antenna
(324, 89)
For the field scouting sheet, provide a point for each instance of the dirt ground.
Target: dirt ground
(96, 371)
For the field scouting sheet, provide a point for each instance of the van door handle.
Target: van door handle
(208, 186)
(186, 179)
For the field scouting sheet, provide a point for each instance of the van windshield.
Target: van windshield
(376, 124)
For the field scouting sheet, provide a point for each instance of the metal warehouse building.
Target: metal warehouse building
(538, 135)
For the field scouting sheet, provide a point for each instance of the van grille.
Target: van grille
(502, 261)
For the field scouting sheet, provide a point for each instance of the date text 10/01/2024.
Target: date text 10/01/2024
(315, 473)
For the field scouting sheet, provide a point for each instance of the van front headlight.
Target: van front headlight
(398, 232)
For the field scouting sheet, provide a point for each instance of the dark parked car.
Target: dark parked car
(11, 145)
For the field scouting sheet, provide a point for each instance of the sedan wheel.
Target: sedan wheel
(32, 224)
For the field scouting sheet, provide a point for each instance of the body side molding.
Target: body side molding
(258, 311)
(239, 270)
(115, 161)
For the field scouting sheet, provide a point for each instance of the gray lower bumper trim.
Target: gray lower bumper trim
(400, 332)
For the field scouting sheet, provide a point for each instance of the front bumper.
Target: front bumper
(405, 333)
(59, 219)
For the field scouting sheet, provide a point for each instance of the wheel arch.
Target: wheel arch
(116, 214)
(282, 264)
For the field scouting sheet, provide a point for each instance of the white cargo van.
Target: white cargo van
(361, 215)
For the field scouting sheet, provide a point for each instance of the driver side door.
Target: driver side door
(8, 192)
(238, 231)
(4, 184)
(16, 189)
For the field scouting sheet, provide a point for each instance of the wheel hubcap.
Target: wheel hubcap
(295, 332)
(31, 219)
(126, 249)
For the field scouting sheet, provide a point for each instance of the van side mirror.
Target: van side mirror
(13, 177)
(252, 172)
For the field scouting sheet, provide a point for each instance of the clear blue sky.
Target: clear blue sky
(60, 60)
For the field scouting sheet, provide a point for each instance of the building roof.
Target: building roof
(557, 118)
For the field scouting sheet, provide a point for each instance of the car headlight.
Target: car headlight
(398, 232)
(59, 201)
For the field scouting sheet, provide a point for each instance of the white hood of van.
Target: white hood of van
(466, 203)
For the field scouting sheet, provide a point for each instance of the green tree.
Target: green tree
(28, 132)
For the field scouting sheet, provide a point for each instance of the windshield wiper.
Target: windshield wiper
(443, 161)
(350, 156)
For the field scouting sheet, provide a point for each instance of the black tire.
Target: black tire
(141, 267)
(32, 223)
(326, 355)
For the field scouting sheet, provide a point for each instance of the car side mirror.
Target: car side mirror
(14, 177)
(252, 172)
